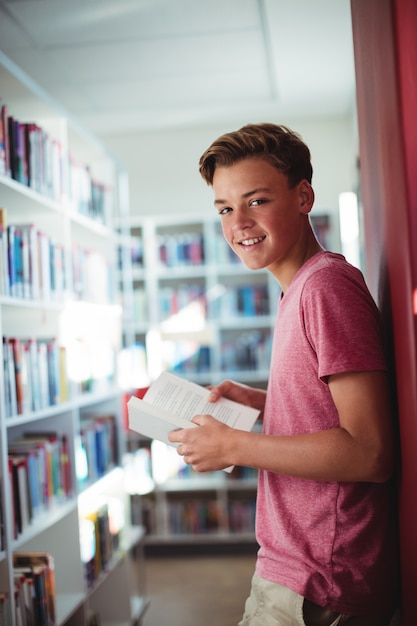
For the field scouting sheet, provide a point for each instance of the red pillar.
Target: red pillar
(385, 44)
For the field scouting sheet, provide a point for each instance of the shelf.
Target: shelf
(67, 604)
(60, 317)
(196, 484)
(200, 539)
(43, 520)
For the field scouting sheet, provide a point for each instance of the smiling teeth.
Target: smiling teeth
(250, 242)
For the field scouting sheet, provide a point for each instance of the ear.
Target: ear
(306, 195)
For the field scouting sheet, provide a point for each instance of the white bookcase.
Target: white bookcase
(74, 314)
(198, 312)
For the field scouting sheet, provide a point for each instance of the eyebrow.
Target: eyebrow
(244, 195)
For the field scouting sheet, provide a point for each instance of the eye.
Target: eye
(225, 210)
(257, 201)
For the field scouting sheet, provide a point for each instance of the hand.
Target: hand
(249, 396)
(206, 448)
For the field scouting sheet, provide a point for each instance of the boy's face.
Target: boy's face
(263, 220)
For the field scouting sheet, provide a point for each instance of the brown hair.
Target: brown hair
(278, 145)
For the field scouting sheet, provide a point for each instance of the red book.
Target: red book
(17, 356)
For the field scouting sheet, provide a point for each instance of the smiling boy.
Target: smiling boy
(325, 521)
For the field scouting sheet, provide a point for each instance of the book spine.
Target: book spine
(11, 230)
(17, 357)
(7, 381)
(3, 140)
(12, 378)
(12, 145)
(4, 252)
(44, 265)
(25, 257)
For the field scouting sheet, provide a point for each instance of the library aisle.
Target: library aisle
(203, 590)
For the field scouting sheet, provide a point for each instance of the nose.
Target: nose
(241, 219)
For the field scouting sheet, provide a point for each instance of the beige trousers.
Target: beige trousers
(270, 604)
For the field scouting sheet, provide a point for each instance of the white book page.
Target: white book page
(184, 399)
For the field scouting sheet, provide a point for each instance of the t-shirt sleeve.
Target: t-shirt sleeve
(342, 323)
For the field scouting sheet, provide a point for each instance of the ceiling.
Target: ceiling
(119, 65)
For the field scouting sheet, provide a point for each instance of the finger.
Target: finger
(175, 435)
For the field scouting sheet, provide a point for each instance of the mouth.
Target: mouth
(251, 242)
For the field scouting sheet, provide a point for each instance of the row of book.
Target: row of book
(180, 299)
(202, 516)
(99, 539)
(182, 249)
(240, 301)
(195, 516)
(40, 475)
(31, 156)
(34, 593)
(185, 359)
(250, 351)
(96, 447)
(34, 267)
(244, 301)
(35, 374)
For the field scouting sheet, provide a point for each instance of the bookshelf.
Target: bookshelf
(197, 311)
(179, 507)
(63, 445)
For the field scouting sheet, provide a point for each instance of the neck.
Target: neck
(285, 274)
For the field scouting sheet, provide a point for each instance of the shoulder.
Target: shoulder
(330, 273)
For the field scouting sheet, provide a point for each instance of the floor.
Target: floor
(197, 590)
(200, 590)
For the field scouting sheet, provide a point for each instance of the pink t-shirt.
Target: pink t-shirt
(328, 541)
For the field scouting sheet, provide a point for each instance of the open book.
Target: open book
(171, 402)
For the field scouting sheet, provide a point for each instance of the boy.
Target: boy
(324, 509)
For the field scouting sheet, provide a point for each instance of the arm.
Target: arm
(360, 450)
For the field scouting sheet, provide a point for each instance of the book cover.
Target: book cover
(11, 231)
(6, 378)
(20, 492)
(42, 359)
(14, 504)
(33, 366)
(44, 265)
(11, 125)
(21, 173)
(17, 360)
(7, 344)
(6, 143)
(25, 256)
(3, 164)
(27, 379)
(17, 290)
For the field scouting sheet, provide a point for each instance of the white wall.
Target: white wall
(164, 177)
